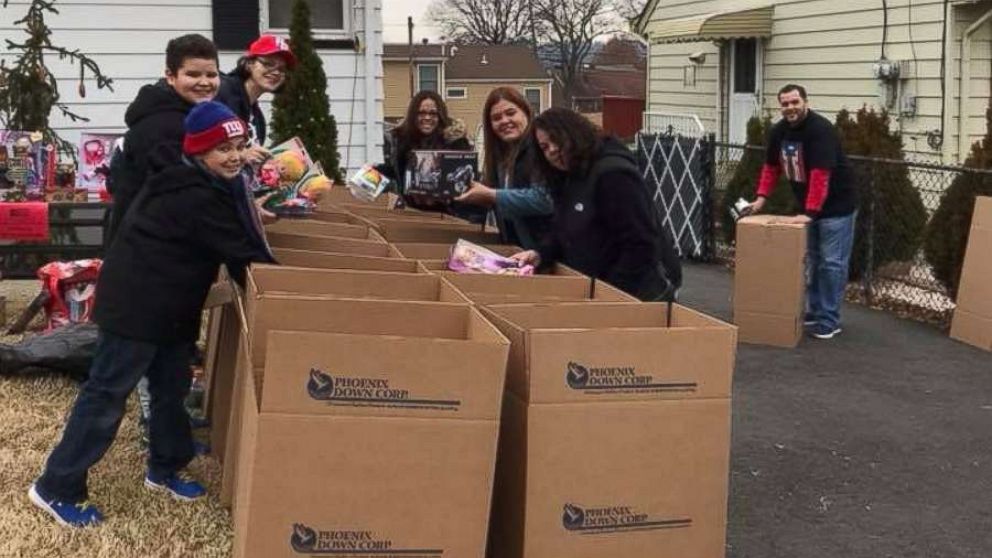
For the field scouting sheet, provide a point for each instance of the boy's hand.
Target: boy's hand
(478, 194)
(256, 155)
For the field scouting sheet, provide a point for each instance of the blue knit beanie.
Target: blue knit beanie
(210, 124)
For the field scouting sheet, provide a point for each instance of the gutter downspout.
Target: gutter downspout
(965, 88)
(371, 93)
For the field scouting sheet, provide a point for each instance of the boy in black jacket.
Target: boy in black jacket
(187, 221)
(155, 119)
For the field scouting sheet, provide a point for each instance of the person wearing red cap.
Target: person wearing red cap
(187, 220)
(263, 69)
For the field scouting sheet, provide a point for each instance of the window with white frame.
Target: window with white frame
(456, 93)
(533, 95)
(428, 77)
(328, 18)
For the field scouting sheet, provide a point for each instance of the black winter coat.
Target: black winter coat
(232, 93)
(154, 119)
(182, 226)
(606, 227)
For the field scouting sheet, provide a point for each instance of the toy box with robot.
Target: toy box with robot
(440, 175)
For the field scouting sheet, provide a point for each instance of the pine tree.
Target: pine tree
(29, 90)
(890, 210)
(947, 233)
(744, 182)
(302, 108)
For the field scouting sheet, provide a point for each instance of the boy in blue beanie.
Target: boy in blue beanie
(187, 221)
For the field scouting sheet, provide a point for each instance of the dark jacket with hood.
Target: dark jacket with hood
(605, 226)
(523, 209)
(232, 93)
(182, 226)
(155, 118)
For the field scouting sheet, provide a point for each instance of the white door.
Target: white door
(744, 87)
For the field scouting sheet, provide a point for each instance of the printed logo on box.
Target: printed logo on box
(618, 379)
(615, 519)
(369, 392)
(344, 543)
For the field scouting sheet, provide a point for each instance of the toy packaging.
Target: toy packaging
(441, 175)
(27, 163)
(467, 257)
(94, 161)
(294, 179)
(71, 289)
(368, 183)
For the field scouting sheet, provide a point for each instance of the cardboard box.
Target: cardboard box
(407, 231)
(331, 260)
(319, 228)
(439, 174)
(350, 448)
(511, 289)
(555, 269)
(374, 212)
(341, 195)
(769, 281)
(270, 289)
(442, 251)
(972, 321)
(336, 244)
(615, 434)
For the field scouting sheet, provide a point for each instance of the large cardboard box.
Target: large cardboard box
(301, 289)
(350, 448)
(769, 281)
(373, 212)
(365, 247)
(433, 232)
(972, 321)
(442, 251)
(554, 269)
(615, 434)
(511, 289)
(331, 260)
(319, 228)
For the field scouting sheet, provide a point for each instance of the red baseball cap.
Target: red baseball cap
(271, 45)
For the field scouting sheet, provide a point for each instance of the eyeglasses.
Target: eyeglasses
(276, 66)
(428, 113)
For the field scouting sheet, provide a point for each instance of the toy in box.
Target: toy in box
(440, 175)
(27, 163)
(467, 257)
(293, 179)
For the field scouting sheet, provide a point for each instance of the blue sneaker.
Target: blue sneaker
(74, 514)
(809, 320)
(823, 332)
(179, 485)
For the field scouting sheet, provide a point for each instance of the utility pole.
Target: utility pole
(409, 28)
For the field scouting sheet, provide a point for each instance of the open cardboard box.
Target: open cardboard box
(373, 246)
(972, 321)
(331, 260)
(320, 228)
(409, 231)
(769, 281)
(302, 292)
(554, 269)
(349, 445)
(615, 434)
(441, 251)
(507, 289)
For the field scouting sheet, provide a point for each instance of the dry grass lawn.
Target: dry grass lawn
(139, 523)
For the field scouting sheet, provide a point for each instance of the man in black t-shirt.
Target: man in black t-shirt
(805, 147)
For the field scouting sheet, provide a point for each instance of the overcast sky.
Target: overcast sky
(394, 14)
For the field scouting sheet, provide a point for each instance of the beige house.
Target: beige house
(723, 61)
(463, 75)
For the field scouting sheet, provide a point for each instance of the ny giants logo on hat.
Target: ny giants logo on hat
(234, 128)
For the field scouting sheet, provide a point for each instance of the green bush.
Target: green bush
(302, 108)
(744, 182)
(888, 200)
(947, 233)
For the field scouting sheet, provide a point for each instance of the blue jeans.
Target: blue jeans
(96, 415)
(828, 255)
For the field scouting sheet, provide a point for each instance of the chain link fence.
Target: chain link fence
(897, 200)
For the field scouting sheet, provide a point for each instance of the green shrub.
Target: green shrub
(947, 233)
(888, 200)
(744, 182)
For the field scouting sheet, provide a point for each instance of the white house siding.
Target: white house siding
(830, 46)
(127, 38)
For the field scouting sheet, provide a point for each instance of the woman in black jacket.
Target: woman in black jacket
(263, 69)
(604, 222)
(426, 126)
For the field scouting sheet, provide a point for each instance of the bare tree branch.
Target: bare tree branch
(494, 22)
(572, 26)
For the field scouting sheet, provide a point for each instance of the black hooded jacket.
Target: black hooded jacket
(232, 93)
(155, 118)
(606, 226)
(181, 227)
